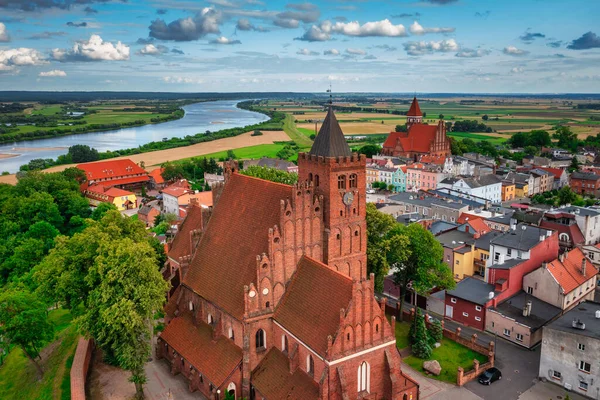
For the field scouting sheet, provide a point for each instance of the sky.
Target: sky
(451, 46)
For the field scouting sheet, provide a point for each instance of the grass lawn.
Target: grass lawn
(244, 153)
(306, 132)
(18, 376)
(450, 355)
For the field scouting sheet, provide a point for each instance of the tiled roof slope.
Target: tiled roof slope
(310, 308)
(157, 175)
(236, 233)
(414, 110)
(330, 142)
(418, 138)
(273, 380)
(568, 272)
(181, 244)
(110, 169)
(215, 358)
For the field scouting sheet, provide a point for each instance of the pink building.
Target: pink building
(423, 177)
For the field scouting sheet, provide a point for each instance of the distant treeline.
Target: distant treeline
(13, 108)
(592, 106)
(470, 126)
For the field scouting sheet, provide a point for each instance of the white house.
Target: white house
(488, 187)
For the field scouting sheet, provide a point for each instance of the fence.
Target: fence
(80, 367)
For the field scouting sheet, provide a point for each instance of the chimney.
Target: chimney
(525, 310)
(528, 305)
(583, 263)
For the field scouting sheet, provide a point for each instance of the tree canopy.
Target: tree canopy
(271, 174)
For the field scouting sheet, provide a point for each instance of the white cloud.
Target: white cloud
(513, 51)
(307, 52)
(224, 40)
(11, 58)
(4, 36)
(356, 52)
(472, 53)
(53, 73)
(332, 52)
(421, 48)
(186, 29)
(181, 79)
(152, 50)
(517, 70)
(417, 29)
(94, 49)
(323, 32)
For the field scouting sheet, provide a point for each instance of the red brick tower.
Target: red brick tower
(414, 114)
(339, 176)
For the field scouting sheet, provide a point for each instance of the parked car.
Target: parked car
(371, 191)
(490, 375)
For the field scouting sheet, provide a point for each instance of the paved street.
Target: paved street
(548, 391)
(430, 389)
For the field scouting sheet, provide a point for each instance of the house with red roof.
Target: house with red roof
(561, 177)
(419, 140)
(157, 182)
(122, 199)
(569, 233)
(275, 301)
(124, 174)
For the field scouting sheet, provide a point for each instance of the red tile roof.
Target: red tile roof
(479, 226)
(181, 243)
(432, 160)
(237, 232)
(156, 175)
(214, 359)
(310, 307)
(111, 192)
(568, 273)
(176, 191)
(273, 380)
(126, 181)
(414, 110)
(111, 169)
(572, 230)
(465, 217)
(419, 138)
(557, 172)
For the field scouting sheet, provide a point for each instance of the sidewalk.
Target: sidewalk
(430, 389)
(549, 391)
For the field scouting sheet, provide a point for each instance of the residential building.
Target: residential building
(508, 190)
(561, 177)
(282, 165)
(592, 252)
(429, 207)
(420, 139)
(520, 318)
(464, 166)
(588, 220)
(488, 187)
(423, 177)
(499, 222)
(482, 253)
(157, 182)
(372, 174)
(474, 226)
(147, 213)
(468, 301)
(563, 282)
(122, 199)
(524, 184)
(213, 179)
(480, 158)
(570, 348)
(585, 183)
(259, 312)
(176, 197)
(124, 174)
(546, 179)
(399, 179)
(569, 234)
(457, 245)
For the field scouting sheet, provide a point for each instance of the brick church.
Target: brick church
(421, 139)
(274, 301)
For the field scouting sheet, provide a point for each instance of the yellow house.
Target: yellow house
(463, 262)
(372, 174)
(122, 199)
(521, 189)
(508, 191)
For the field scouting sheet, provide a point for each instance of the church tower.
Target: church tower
(414, 114)
(339, 176)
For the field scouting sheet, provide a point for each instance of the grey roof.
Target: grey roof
(484, 241)
(501, 219)
(529, 217)
(473, 290)
(425, 201)
(537, 171)
(584, 211)
(584, 312)
(474, 181)
(458, 199)
(518, 177)
(330, 142)
(456, 236)
(508, 264)
(589, 176)
(441, 226)
(524, 238)
(408, 218)
(541, 312)
(144, 210)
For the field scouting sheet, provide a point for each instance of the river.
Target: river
(199, 117)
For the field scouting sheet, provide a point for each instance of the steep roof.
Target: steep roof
(418, 138)
(181, 243)
(110, 169)
(176, 191)
(273, 380)
(330, 142)
(557, 172)
(236, 233)
(156, 175)
(414, 110)
(215, 358)
(310, 307)
(568, 273)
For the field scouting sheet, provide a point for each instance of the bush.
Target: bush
(436, 331)
(256, 133)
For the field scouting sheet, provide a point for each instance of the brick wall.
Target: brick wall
(80, 367)
(464, 377)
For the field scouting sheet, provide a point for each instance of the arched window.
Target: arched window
(284, 343)
(231, 335)
(310, 177)
(231, 389)
(210, 319)
(563, 237)
(353, 181)
(342, 182)
(364, 378)
(316, 180)
(310, 365)
(261, 339)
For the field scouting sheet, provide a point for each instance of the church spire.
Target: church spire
(414, 110)
(330, 142)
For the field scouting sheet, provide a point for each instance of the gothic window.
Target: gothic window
(210, 319)
(231, 390)
(261, 339)
(231, 335)
(342, 182)
(284, 343)
(310, 365)
(316, 180)
(364, 378)
(353, 181)
(310, 177)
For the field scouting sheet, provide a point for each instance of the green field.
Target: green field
(478, 137)
(18, 376)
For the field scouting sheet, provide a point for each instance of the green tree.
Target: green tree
(531, 150)
(566, 196)
(271, 174)
(420, 344)
(81, 153)
(401, 128)
(369, 150)
(231, 155)
(566, 138)
(24, 323)
(436, 331)
(574, 164)
(485, 117)
(171, 171)
(101, 210)
(441, 116)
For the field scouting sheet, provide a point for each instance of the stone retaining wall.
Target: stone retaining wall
(80, 367)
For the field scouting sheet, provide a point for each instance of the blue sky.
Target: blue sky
(475, 46)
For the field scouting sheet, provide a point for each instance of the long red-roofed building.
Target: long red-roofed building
(276, 303)
(420, 140)
(123, 173)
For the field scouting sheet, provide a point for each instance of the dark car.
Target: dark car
(490, 375)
